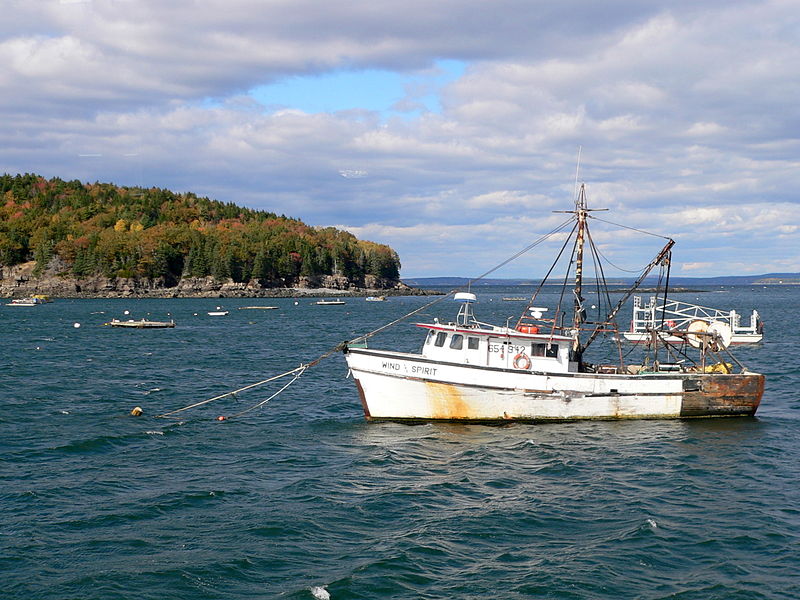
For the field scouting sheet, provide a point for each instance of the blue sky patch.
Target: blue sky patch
(387, 92)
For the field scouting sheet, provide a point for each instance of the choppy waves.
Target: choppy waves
(303, 498)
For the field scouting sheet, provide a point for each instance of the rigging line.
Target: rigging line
(524, 250)
(597, 254)
(392, 324)
(469, 283)
(247, 387)
(663, 237)
(547, 276)
(605, 258)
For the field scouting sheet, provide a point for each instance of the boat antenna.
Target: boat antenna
(577, 170)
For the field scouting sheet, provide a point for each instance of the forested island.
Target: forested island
(69, 238)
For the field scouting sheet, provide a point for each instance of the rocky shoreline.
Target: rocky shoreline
(19, 281)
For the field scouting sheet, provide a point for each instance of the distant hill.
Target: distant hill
(76, 230)
(765, 279)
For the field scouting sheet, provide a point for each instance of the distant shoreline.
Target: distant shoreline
(169, 293)
(677, 281)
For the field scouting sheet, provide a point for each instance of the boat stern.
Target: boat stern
(722, 395)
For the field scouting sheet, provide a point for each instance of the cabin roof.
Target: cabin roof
(493, 332)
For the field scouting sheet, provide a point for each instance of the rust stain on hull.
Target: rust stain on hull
(718, 396)
(446, 402)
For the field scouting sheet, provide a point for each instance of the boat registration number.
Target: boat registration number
(508, 348)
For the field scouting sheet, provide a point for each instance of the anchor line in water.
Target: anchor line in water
(343, 345)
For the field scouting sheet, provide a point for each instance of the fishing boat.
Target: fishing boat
(541, 368)
(375, 298)
(218, 312)
(668, 315)
(330, 302)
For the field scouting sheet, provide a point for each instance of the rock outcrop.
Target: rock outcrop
(22, 280)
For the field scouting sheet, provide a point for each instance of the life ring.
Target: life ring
(522, 361)
(670, 324)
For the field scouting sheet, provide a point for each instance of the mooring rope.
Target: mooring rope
(393, 323)
(342, 345)
(301, 368)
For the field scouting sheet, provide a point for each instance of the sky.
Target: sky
(449, 130)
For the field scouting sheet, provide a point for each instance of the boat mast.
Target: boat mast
(579, 314)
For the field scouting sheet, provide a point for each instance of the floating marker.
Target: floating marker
(76, 325)
(221, 418)
(137, 411)
(320, 593)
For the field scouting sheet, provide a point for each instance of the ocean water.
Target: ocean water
(301, 497)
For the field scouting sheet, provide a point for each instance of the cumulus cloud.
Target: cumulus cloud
(685, 111)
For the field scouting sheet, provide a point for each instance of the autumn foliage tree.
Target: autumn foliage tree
(103, 229)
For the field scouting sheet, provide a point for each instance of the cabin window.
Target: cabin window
(546, 350)
(440, 338)
(472, 343)
(457, 341)
(431, 335)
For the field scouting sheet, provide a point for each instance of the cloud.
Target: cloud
(685, 111)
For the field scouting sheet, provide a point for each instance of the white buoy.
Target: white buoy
(320, 593)
(76, 325)
(127, 312)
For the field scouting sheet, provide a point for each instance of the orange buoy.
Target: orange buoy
(221, 418)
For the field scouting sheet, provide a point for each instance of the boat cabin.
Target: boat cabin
(498, 347)
(470, 342)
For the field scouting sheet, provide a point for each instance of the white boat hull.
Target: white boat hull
(401, 386)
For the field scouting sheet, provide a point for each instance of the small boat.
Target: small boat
(21, 302)
(330, 302)
(30, 301)
(141, 324)
(514, 298)
(545, 369)
(219, 312)
(670, 315)
(375, 298)
(258, 307)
